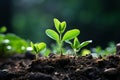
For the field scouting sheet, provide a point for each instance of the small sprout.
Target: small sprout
(76, 46)
(38, 47)
(58, 36)
(85, 52)
(3, 29)
(60, 26)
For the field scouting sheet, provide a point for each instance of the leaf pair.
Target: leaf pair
(60, 26)
(37, 47)
(68, 35)
(76, 44)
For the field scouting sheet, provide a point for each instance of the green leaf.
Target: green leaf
(85, 43)
(34, 47)
(85, 52)
(37, 47)
(57, 24)
(52, 34)
(11, 36)
(62, 27)
(41, 46)
(71, 34)
(76, 43)
(69, 42)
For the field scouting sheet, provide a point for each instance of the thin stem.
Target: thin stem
(36, 56)
(75, 52)
(60, 44)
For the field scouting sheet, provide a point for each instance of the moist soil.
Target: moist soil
(55, 67)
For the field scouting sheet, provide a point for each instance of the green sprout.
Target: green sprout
(38, 47)
(58, 36)
(76, 46)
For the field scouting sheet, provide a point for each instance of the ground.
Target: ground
(55, 67)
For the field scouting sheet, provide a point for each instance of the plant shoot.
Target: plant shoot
(76, 45)
(58, 36)
(38, 47)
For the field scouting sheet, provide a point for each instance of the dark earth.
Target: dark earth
(25, 67)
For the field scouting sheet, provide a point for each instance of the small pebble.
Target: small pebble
(56, 73)
(77, 69)
(110, 71)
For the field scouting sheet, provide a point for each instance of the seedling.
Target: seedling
(58, 36)
(76, 46)
(38, 47)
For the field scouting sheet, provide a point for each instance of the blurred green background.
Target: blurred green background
(98, 20)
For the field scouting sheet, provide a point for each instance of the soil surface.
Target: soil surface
(25, 67)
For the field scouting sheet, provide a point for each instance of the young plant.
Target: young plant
(38, 47)
(76, 46)
(58, 36)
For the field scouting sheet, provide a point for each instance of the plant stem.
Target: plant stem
(75, 52)
(60, 44)
(36, 56)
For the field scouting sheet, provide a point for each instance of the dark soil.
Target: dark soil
(25, 67)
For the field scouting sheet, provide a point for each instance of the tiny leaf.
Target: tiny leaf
(57, 24)
(62, 27)
(85, 52)
(69, 42)
(71, 34)
(76, 43)
(85, 43)
(37, 47)
(41, 46)
(52, 34)
(34, 47)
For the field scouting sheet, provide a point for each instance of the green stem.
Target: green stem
(75, 52)
(36, 56)
(60, 45)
